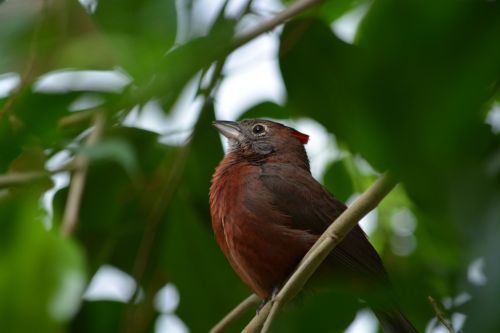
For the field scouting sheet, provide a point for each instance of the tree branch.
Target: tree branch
(325, 244)
(14, 179)
(19, 179)
(76, 118)
(439, 315)
(294, 9)
(77, 186)
(250, 302)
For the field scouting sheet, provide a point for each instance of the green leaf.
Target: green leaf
(307, 313)
(265, 110)
(117, 150)
(153, 19)
(204, 155)
(115, 206)
(332, 10)
(36, 116)
(142, 44)
(396, 98)
(98, 317)
(42, 275)
(338, 180)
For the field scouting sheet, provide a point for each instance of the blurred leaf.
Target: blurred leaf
(152, 19)
(31, 159)
(322, 89)
(416, 117)
(75, 53)
(98, 317)
(332, 10)
(36, 118)
(112, 219)
(181, 63)
(117, 150)
(15, 29)
(142, 44)
(476, 217)
(42, 276)
(205, 154)
(322, 311)
(338, 180)
(265, 110)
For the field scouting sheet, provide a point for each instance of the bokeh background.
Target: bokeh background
(106, 111)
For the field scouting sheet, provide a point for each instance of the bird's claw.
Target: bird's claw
(274, 294)
(263, 303)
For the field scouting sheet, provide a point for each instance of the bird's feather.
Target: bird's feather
(311, 207)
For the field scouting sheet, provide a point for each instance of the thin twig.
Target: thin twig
(77, 186)
(248, 303)
(325, 244)
(439, 314)
(20, 179)
(258, 320)
(28, 70)
(76, 118)
(14, 179)
(270, 318)
(209, 90)
(294, 9)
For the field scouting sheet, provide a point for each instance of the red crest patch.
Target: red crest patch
(303, 138)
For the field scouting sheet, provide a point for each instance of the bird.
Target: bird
(267, 211)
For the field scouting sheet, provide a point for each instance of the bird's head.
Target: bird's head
(258, 139)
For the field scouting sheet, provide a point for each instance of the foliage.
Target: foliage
(410, 95)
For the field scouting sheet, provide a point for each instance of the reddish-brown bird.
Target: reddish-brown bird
(267, 211)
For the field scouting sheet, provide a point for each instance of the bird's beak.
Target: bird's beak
(230, 129)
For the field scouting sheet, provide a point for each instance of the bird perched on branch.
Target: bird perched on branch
(267, 211)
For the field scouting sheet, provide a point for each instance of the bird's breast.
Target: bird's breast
(253, 235)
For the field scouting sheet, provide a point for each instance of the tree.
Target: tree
(411, 94)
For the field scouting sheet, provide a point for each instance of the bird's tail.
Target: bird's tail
(394, 321)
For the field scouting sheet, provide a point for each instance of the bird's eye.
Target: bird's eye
(258, 129)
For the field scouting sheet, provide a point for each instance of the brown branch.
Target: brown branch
(76, 118)
(439, 314)
(15, 179)
(325, 244)
(81, 163)
(248, 303)
(20, 179)
(294, 9)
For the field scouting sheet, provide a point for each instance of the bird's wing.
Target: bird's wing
(311, 207)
